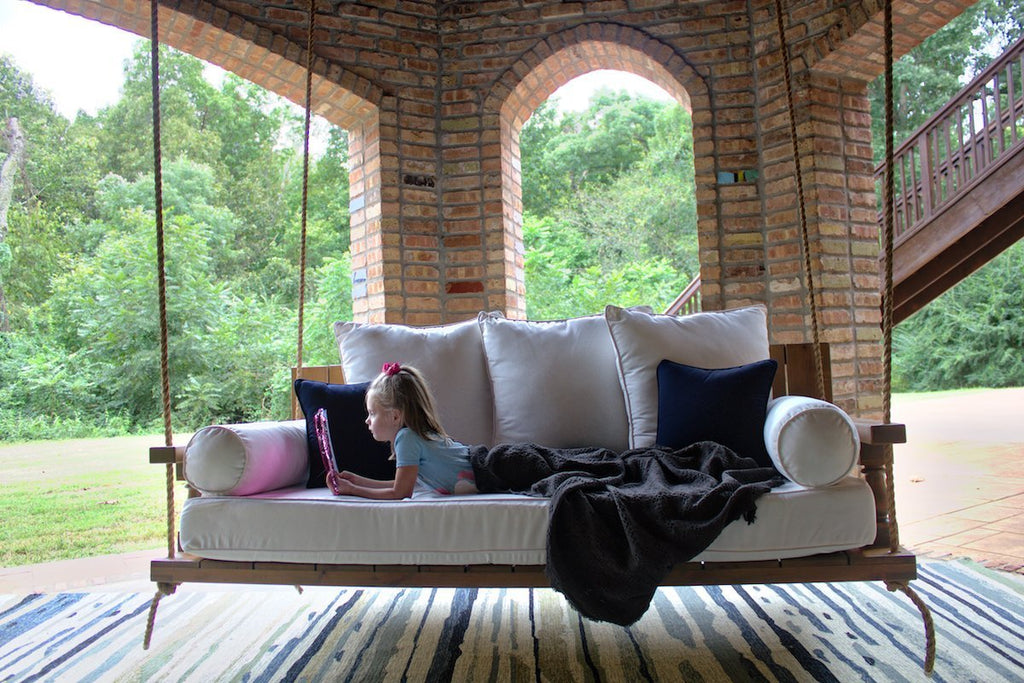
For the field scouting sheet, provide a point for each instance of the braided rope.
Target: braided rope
(887, 325)
(926, 617)
(805, 240)
(887, 297)
(305, 180)
(162, 589)
(165, 381)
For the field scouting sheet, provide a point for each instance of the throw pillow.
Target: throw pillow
(812, 442)
(713, 339)
(725, 405)
(451, 358)
(354, 446)
(554, 382)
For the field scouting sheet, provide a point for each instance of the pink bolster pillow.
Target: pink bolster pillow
(242, 459)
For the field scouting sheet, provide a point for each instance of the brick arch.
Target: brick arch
(853, 46)
(535, 76)
(267, 59)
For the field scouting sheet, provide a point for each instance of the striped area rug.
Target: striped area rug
(801, 632)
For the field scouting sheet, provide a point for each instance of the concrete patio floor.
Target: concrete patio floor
(960, 477)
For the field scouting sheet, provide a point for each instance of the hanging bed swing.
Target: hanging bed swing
(803, 370)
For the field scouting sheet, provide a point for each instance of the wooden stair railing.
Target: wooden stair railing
(688, 300)
(955, 146)
(976, 134)
(960, 185)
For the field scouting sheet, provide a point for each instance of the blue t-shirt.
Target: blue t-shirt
(440, 461)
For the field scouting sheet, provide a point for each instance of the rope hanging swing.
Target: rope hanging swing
(165, 385)
(887, 291)
(887, 322)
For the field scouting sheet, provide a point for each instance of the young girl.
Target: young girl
(401, 412)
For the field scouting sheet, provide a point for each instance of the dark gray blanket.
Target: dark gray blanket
(618, 523)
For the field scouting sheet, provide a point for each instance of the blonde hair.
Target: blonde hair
(406, 390)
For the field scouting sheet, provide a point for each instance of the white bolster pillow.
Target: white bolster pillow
(242, 459)
(812, 442)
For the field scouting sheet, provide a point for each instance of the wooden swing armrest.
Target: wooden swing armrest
(876, 457)
(166, 455)
(169, 455)
(875, 433)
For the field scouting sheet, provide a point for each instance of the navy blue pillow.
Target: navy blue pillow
(726, 406)
(354, 447)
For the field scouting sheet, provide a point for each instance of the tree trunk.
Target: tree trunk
(15, 158)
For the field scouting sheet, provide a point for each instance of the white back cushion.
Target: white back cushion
(555, 383)
(710, 340)
(451, 358)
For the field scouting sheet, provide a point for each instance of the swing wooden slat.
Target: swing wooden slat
(798, 371)
(169, 455)
(852, 565)
(331, 374)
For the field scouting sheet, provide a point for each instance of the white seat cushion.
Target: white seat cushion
(311, 525)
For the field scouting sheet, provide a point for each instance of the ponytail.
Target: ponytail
(404, 388)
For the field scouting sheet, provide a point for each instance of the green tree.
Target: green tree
(564, 153)
(615, 220)
(225, 350)
(235, 131)
(126, 134)
(565, 278)
(107, 309)
(331, 301)
(329, 198)
(52, 187)
(649, 210)
(189, 189)
(84, 353)
(933, 72)
(542, 183)
(971, 336)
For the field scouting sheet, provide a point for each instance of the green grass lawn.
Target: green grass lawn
(79, 498)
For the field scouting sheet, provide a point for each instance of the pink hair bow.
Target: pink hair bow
(391, 369)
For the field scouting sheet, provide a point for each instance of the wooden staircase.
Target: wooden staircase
(959, 190)
(959, 186)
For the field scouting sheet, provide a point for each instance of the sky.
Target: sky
(79, 62)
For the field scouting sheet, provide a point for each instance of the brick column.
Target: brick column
(848, 239)
(834, 138)
(369, 303)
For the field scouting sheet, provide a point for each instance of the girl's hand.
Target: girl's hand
(332, 483)
(345, 487)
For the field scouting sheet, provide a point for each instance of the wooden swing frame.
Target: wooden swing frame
(804, 369)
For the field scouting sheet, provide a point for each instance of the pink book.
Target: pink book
(323, 440)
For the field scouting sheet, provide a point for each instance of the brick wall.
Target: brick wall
(434, 95)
